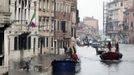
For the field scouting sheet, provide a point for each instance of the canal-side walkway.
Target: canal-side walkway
(39, 65)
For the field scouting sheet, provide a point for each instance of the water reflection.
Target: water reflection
(110, 63)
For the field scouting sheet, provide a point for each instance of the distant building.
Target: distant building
(91, 22)
(88, 27)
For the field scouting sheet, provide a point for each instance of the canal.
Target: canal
(92, 65)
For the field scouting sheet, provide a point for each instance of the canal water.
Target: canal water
(92, 65)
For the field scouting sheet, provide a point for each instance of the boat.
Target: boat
(65, 66)
(111, 56)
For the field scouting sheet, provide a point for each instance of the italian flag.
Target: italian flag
(33, 20)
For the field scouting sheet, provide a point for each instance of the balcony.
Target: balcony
(4, 19)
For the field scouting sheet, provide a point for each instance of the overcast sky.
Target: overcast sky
(91, 8)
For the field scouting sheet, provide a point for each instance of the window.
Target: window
(44, 41)
(58, 27)
(29, 8)
(1, 43)
(34, 42)
(127, 14)
(115, 4)
(52, 42)
(25, 3)
(19, 14)
(54, 24)
(29, 5)
(47, 7)
(15, 9)
(53, 21)
(47, 20)
(19, 1)
(63, 26)
(1, 61)
(121, 4)
(58, 7)
(22, 5)
(29, 42)
(132, 24)
(39, 4)
(25, 13)
(47, 42)
(43, 4)
(68, 9)
(15, 43)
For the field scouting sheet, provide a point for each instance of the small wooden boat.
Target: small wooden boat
(66, 66)
(111, 56)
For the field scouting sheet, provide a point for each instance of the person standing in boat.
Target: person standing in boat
(117, 47)
(109, 46)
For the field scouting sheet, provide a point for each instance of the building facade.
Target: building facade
(92, 23)
(46, 25)
(114, 18)
(128, 27)
(57, 21)
(66, 19)
(33, 27)
(4, 23)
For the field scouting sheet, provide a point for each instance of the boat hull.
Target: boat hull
(111, 56)
(66, 66)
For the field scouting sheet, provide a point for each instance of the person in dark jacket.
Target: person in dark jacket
(109, 46)
(117, 47)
